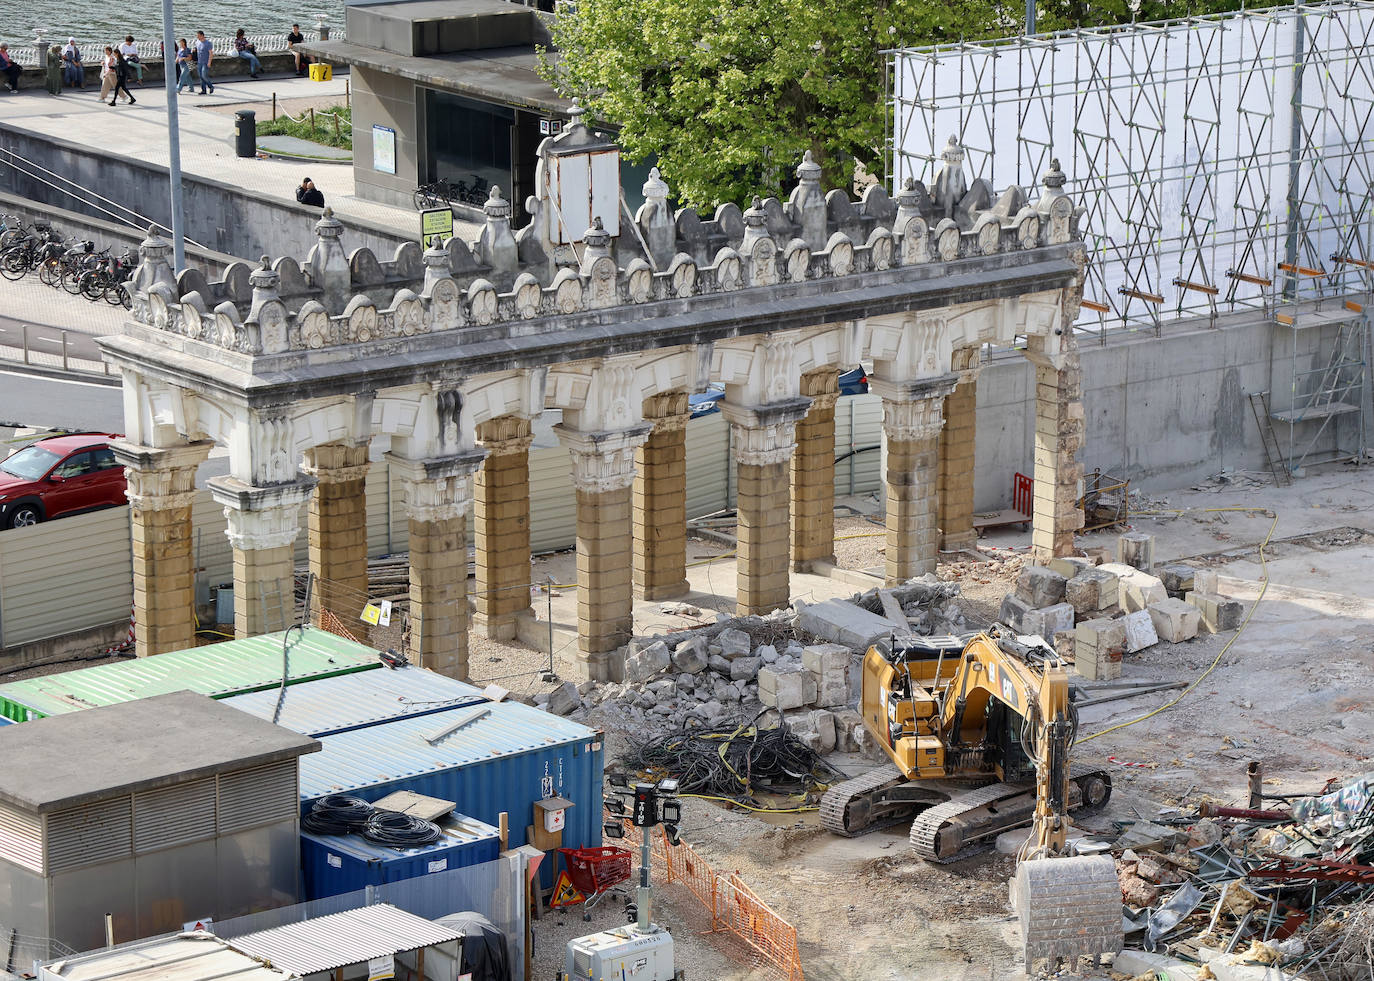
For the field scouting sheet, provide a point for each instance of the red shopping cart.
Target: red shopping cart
(596, 871)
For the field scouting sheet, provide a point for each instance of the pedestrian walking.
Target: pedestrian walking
(302, 59)
(9, 68)
(73, 71)
(186, 65)
(248, 52)
(130, 52)
(122, 72)
(107, 73)
(205, 56)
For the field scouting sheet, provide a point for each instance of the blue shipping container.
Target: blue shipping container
(353, 701)
(506, 760)
(336, 864)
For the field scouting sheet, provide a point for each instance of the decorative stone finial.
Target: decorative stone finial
(154, 264)
(753, 215)
(575, 114)
(655, 188)
(597, 237)
(808, 169)
(953, 153)
(496, 207)
(328, 226)
(1055, 177)
(264, 277)
(907, 197)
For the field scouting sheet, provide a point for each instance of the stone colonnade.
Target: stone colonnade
(466, 445)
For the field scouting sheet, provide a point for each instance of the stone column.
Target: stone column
(660, 500)
(438, 494)
(955, 518)
(338, 520)
(1058, 474)
(501, 512)
(764, 439)
(603, 471)
(912, 419)
(263, 525)
(813, 473)
(161, 488)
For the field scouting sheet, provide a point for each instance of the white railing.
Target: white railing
(25, 52)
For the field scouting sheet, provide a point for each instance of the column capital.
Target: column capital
(913, 409)
(765, 434)
(505, 435)
(158, 478)
(336, 463)
(261, 517)
(603, 461)
(437, 489)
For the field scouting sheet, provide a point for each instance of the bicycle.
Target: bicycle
(19, 258)
(432, 194)
(105, 279)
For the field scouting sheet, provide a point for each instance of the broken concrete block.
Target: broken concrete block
(1205, 581)
(1137, 550)
(1218, 612)
(650, 661)
(815, 728)
(1049, 621)
(1013, 610)
(1135, 891)
(1063, 643)
(847, 726)
(734, 643)
(869, 745)
(745, 668)
(1069, 566)
(829, 663)
(1140, 631)
(1175, 620)
(563, 699)
(1177, 579)
(1098, 648)
(718, 664)
(841, 622)
(690, 656)
(1039, 586)
(786, 687)
(892, 610)
(1091, 591)
(1136, 590)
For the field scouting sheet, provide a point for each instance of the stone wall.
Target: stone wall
(274, 63)
(261, 225)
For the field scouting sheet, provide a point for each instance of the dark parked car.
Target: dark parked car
(59, 476)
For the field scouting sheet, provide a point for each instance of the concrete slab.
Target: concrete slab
(843, 623)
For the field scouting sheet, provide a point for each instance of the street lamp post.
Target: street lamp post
(169, 54)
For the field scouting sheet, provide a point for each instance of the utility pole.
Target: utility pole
(169, 55)
(1030, 17)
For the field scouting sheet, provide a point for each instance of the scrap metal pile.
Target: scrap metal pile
(736, 762)
(1289, 890)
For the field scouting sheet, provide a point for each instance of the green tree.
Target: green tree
(728, 95)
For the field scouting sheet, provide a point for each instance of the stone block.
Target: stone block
(786, 687)
(1177, 579)
(1205, 581)
(645, 664)
(1091, 591)
(563, 699)
(1063, 643)
(1137, 591)
(1140, 631)
(848, 723)
(841, 622)
(745, 668)
(691, 656)
(1218, 613)
(1175, 620)
(815, 728)
(733, 643)
(1098, 648)
(1069, 566)
(1049, 621)
(1039, 586)
(718, 664)
(1013, 610)
(825, 658)
(1137, 550)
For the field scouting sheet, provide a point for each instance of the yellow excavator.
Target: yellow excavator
(990, 709)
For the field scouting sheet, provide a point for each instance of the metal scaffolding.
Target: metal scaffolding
(1224, 163)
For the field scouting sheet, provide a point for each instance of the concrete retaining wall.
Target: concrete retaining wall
(219, 216)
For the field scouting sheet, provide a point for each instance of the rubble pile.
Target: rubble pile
(1095, 614)
(1239, 893)
(801, 663)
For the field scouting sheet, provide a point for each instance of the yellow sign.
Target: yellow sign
(438, 221)
(372, 613)
(564, 894)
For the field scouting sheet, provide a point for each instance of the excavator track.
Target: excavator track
(846, 808)
(966, 825)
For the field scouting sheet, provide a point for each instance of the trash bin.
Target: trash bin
(245, 133)
(224, 603)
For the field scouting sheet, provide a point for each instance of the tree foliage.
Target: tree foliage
(728, 95)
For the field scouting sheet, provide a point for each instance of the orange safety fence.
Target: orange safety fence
(731, 905)
(331, 623)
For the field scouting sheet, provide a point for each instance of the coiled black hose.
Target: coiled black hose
(400, 830)
(337, 814)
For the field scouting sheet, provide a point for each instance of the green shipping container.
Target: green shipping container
(234, 667)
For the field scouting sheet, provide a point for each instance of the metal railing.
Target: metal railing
(26, 352)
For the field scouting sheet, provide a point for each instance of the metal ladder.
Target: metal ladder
(1259, 405)
(271, 599)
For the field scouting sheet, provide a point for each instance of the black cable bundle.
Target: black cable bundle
(400, 830)
(734, 761)
(337, 814)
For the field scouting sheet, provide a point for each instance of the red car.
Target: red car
(59, 476)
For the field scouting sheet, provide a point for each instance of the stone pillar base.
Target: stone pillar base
(957, 442)
(501, 511)
(264, 590)
(263, 525)
(1059, 427)
(439, 595)
(813, 474)
(762, 583)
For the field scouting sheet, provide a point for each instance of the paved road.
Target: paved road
(47, 340)
(35, 400)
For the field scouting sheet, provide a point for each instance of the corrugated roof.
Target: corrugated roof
(189, 957)
(393, 750)
(350, 937)
(351, 701)
(233, 667)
